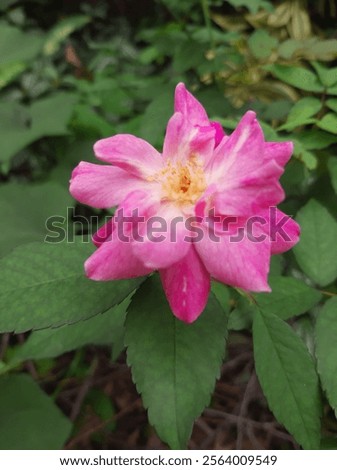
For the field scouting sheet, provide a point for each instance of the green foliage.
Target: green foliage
(9, 72)
(288, 378)
(332, 104)
(103, 329)
(332, 165)
(25, 218)
(28, 417)
(316, 252)
(315, 139)
(174, 365)
(74, 73)
(329, 123)
(18, 47)
(23, 125)
(262, 44)
(223, 294)
(37, 294)
(326, 350)
(289, 297)
(326, 75)
(296, 76)
(302, 113)
(62, 31)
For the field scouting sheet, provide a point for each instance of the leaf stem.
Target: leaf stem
(330, 294)
(205, 11)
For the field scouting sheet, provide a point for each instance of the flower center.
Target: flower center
(182, 183)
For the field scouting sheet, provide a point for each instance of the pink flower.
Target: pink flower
(211, 195)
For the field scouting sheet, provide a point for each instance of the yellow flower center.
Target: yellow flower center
(182, 183)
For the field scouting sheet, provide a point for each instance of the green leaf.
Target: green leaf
(316, 252)
(332, 166)
(305, 108)
(269, 132)
(326, 349)
(241, 317)
(262, 44)
(102, 329)
(298, 77)
(69, 154)
(325, 50)
(88, 123)
(18, 46)
(276, 265)
(62, 31)
(328, 123)
(174, 365)
(9, 72)
(308, 158)
(111, 97)
(22, 125)
(29, 420)
(189, 55)
(17, 50)
(222, 293)
(312, 48)
(304, 328)
(332, 90)
(328, 443)
(156, 116)
(289, 47)
(44, 285)
(23, 216)
(328, 76)
(315, 139)
(302, 112)
(288, 378)
(289, 297)
(332, 104)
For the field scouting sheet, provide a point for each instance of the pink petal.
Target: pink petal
(245, 199)
(141, 203)
(184, 140)
(279, 151)
(102, 186)
(281, 229)
(104, 233)
(241, 153)
(114, 260)
(205, 204)
(162, 241)
(132, 214)
(190, 107)
(245, 180)
(243, 264)
(129, 153)
(186, 285)
(248, 199)
(134, 209)
(219, 132)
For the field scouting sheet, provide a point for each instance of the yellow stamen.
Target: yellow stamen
(182, 183)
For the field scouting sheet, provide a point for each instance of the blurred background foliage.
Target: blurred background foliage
(72, 72)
